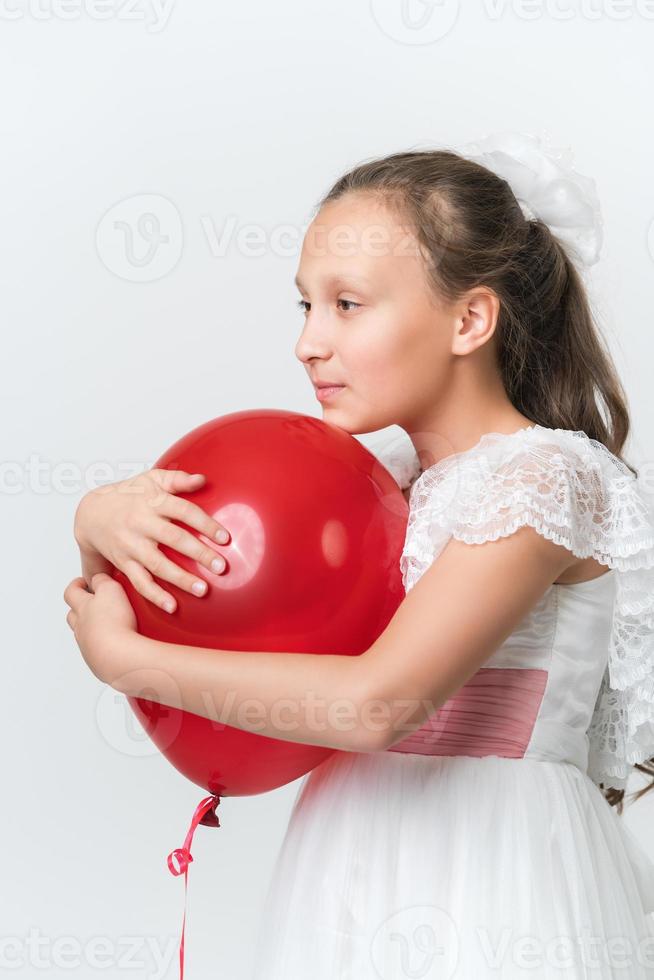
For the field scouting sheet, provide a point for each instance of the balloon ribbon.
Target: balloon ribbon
(205, 813)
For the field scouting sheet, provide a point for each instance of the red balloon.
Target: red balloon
(317, 526)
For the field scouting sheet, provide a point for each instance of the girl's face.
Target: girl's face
(371, 322)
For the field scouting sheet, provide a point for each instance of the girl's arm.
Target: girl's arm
(461, 610)
(318, 699)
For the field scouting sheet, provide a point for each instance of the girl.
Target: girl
(466, 829)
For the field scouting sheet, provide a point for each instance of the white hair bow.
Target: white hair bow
(546, 187)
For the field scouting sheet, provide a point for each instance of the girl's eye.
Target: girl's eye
(303, 304)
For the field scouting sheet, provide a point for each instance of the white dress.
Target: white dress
(482, 845)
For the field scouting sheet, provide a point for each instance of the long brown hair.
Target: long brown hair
(554, 363)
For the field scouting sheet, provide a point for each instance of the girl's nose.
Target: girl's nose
(311, 344)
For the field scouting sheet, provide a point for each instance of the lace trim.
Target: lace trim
(575, 492)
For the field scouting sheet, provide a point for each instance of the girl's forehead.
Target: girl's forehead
(356, 244)
(357, 209)
(336, 280)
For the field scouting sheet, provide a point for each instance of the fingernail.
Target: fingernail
(222, 537)
(169, 606)
(218, 564)
(199, 587)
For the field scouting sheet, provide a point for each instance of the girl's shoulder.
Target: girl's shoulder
(568, 485)
(561, 473)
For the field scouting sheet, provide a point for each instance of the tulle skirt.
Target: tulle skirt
(398, 865)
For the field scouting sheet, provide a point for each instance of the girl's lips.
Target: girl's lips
(322, 394)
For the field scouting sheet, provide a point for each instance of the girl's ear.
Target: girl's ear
(476, 319)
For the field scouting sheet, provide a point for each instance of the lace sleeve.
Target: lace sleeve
(575, 492)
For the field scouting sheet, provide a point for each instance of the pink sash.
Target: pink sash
(492, 714)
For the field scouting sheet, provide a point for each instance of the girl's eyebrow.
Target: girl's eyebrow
(339, 280)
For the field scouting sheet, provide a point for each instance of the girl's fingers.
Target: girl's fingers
(73, 591)
(187, 544)
(177, 481)
(146, 586)
(156, 562)
(189, 513)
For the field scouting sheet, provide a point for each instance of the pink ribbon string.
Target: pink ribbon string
(205, 813)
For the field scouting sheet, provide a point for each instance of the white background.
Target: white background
(233, 115)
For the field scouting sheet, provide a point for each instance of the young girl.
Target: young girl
(471, 833)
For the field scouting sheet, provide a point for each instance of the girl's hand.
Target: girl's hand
(125, 522)
(101, 620)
